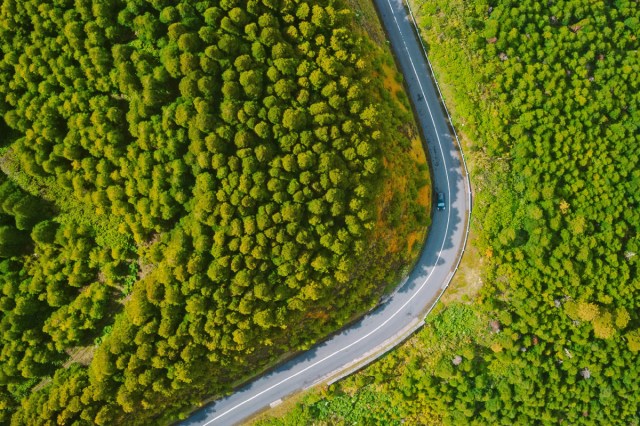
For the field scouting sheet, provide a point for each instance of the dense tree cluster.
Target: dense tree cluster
(50, 295)
(240, 144)
(558, 207)
(550, 94)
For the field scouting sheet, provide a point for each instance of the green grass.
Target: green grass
(367, 18)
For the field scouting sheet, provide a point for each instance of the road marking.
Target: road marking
(446, 282)
(286, 379)
(276, 403)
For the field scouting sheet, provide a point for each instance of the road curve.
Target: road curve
(411, 301)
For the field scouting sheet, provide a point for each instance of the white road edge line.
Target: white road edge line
(286, 379)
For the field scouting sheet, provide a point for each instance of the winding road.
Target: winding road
(405, 310)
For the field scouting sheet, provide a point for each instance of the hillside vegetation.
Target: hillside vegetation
(192, 189)
(549, 95)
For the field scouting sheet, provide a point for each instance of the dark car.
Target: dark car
(440, 201)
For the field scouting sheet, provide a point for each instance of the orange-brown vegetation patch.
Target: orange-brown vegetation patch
(392, 84)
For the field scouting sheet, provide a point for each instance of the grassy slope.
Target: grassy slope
(405, 163)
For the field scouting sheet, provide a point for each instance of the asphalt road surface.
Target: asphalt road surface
(419, 292)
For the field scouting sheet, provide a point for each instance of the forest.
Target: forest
(190, 191)
(547, 95)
